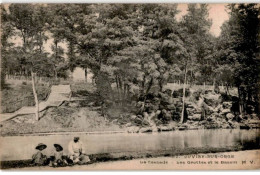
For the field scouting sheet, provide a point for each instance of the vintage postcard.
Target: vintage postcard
(130, 87)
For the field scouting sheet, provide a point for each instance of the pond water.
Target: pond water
(22, 147)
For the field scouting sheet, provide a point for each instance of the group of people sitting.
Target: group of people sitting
(57, 159)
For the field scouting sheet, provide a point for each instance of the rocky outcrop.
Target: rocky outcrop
(203, 110)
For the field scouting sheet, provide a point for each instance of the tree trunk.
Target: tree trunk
(146, 93)
(56, 74)
(120, 90)
(117, 85)
(214, 82)
(227, 90)
(143, 85)
(192, 78)
(183, 96)
(35, 97)
(240, 101)
(86, 74)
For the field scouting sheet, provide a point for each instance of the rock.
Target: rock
(156, 100)
(193, 127)
(208, 91)
(154, 128)
(195, 117)
(168, 92)
(190, 106)
(212, 125)
(201, 123)
(208, 109)
(73, 104)
(114, 121)
(145, 122)
(191, 111)
(197, 111)
(226, 126)
(244, 126)
(128, 124)
(133, 117)
(215, 115)
(175, 94)
(138, 120)
(147, 129)
(234, 124)
(164, 99)
(210, 119)
(192, 124)
(212, 99)
(176, 116)
(254, 126)
(136, 129)
(178, 109)
(122, 120)
(250, 109)
(158, 122)
(201, 127)
(133, 129)
(173, 124)
(91, 104)
(230, 116)
(175, 100)
(225, 111)
(254, 116)
(209, 102)
(181, 128)
(164, 128)
(254, 122)
(227, 105)
(219, 108)
(130, 129)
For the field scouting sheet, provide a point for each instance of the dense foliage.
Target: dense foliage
(134, 46)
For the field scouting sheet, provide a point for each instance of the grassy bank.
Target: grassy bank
(105, 157)
(66, 118)
(15, 96)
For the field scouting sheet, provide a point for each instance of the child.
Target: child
(58, 158)
(38, 158)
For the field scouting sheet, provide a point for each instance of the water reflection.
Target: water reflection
(16, 148)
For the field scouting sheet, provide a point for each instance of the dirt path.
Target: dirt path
(59, 94)
(227, 160)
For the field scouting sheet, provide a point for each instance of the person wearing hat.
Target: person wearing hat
(76, 151)
(39, 158)
(58, 158)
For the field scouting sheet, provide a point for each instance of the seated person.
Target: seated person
(38, 158)
(76, 152)
(58, 159)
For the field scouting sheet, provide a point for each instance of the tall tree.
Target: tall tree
(196, 24)
(241, 36)
(29, 23)
(6, 55)
(193, 33)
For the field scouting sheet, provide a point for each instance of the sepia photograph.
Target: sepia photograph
(130, 86)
